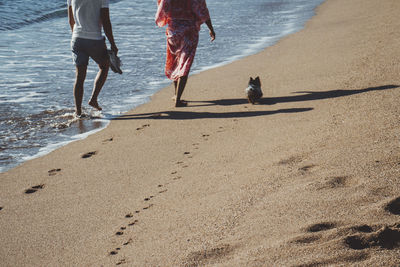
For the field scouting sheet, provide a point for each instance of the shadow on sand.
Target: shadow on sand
(305, 96)
(190, 115)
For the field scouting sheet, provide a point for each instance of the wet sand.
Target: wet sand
(307, 177)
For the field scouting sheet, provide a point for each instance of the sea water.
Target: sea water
(37, 72)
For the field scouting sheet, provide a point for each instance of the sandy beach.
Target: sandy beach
(310, 176)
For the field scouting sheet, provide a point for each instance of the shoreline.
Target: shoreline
(107, 118)
(304, 178)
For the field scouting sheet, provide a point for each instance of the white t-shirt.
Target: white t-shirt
(87, 18)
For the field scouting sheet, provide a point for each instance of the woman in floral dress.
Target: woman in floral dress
(183, 18)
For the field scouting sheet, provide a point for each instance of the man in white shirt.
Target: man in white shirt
(87, 18)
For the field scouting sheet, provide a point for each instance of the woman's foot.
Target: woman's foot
(180, 103)
(94, 104)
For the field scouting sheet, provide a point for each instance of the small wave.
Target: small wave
(61, 13)
(17, 15)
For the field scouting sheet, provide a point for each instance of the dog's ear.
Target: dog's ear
(251, 79)
(257, 80)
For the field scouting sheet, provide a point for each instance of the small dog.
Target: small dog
(253, 91)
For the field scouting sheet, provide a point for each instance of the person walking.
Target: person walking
(183, 18)
(86, 19)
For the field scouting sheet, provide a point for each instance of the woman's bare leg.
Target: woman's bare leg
(176, 88)
(181, 87)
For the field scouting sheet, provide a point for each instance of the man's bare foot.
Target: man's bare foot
(180, 103)
(174, 98)
(94, 104)
(79, 116)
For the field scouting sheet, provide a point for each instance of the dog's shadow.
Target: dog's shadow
(303, 96)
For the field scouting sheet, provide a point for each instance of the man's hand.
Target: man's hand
(114, 48)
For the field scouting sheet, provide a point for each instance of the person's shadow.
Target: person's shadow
(305, 96)
(191, 115)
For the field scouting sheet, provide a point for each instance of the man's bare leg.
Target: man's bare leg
(78, 88)
(98, 85)
(181, 87)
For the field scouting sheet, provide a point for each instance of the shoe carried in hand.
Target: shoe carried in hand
(115, 62)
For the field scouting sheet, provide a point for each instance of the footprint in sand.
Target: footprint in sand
(148, 198)
(163, 191)
(113, 253)
(108, 140)
(202, 257)
(320, 227)
(119, 233)
(362, 228)
(336, 182)
(342, 235)
(148, 207)
(188, 154)
(339, 181)
(393, 206)
(1, 208)
(307, 168)
(344, 260)
(291, 160)
(121, 262)
(387, 237)
(133, 223)
(128, 242)
(89, 154)
(306, 239)
(358, 238)
(34, 189)
(143, 126)
(205, 137)
(53, 172)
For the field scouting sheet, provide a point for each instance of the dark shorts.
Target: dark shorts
(82, 49)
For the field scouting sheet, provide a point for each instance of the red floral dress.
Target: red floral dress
(184, 18)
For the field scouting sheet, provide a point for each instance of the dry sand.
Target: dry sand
(308, 177)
